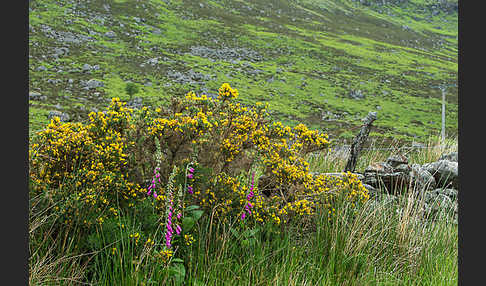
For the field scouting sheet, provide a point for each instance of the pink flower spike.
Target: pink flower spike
(243, 215)
(191, 170)
(155, 195)
(179, 215)
(178, 229)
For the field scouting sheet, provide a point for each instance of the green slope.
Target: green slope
(306, 58)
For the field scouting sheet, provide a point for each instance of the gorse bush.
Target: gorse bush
(81, 169)
(228, 140)
(171, 164)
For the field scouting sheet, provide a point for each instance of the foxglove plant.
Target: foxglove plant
(154, 179)
(169, 210)
(156, 176)
(250, 195)
(190, 176)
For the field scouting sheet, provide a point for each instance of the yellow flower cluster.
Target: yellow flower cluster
(165, 255)
(149, 242)
(85, 162)
(189, 239)
(225, 92)
(135, 236)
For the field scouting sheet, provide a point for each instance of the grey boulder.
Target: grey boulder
(445, 172)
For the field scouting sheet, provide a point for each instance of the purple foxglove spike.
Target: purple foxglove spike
(243, 215)
(179, 215)
(178, 230)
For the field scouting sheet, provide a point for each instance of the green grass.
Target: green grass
(371, 245)
(380, 242)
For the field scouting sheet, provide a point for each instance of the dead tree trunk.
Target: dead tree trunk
(358, 142)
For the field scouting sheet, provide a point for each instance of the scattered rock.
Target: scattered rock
(226, 54)
(110, 34)
(190, 77)
(92, 84)
(53, 81)
(379, 168)
(396, 160)
(421, 179)
(60, 52)
(356, 94)
(453, 157)
(445, 172)
(86, 67)
(37, 96)
(62, 116)
(135, 103)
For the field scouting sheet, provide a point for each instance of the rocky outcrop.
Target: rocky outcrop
(437, 183)
(445, 172)
(395, 174)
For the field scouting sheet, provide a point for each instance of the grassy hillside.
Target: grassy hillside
(321, 62)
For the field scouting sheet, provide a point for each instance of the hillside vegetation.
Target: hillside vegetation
(319, 62)
(211, 192)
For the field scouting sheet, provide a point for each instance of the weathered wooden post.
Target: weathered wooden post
(359, 140)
